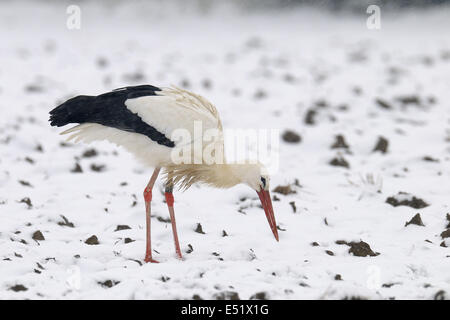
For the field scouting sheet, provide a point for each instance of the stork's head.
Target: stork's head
(257, 178)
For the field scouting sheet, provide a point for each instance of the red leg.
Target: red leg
(170, 200)
(148, 209)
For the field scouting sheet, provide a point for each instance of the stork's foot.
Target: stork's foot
(150, 259)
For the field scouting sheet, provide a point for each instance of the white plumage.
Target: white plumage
(171, 109)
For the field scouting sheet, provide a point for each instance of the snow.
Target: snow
(296, 57)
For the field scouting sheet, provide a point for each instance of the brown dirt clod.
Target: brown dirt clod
(294, 207)
(383, 104)
(284, 190)
(77, 169)
(18, 287)
(122, 227)
(92, 240)
(339, 143)
(290, 136)
(227, 295)
(445, 234)
(27, 201)
(339, 162)
(361, 249)
(199, 229)
(98, 168)
(38, 236)
(25, 183)
(65, 222)
(108, 283)
(430, 159)
(440, 295)
(415, 203)
(260, 296)
(90, 153)
(417, 220)
(381, 145)
(310, 117)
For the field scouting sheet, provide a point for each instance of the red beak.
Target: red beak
(266, 202)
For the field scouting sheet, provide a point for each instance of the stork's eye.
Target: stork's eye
(263, 180)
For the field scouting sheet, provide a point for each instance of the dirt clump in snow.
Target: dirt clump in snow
(430, 159)
(108, 283)
(381, 145)
(339, 161)
(260, 296)
(38, 236)
(92, 240)
(25, 183)
(122, 227)
(18, 287)
(77, 168)
(417, 220)
(65, 222)
(310, 117)
(339, 143)
(358, 249)
(199, 229)
(284, 190)
(98, 167)
(383, 104)
(294, 207)
(440, 295)
(227, 295)
(27, 201)
(445, 234)
(411, 99)
(406, 199)
(90, 153)
(290, 136)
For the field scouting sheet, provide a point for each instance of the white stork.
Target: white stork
(142, 119)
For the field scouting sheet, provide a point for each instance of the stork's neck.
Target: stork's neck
(224, 175)
(230, 174)
(216, 175)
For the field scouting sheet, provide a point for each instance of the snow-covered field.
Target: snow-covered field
(302, 70)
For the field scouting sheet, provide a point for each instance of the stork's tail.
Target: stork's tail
(72, 111)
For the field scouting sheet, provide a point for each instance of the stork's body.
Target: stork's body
(143, 119)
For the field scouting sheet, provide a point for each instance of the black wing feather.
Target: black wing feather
(109, 109)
